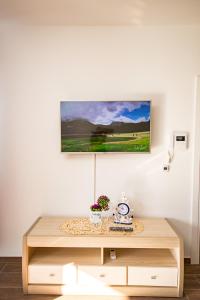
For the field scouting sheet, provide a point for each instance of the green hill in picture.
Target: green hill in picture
(83, 136)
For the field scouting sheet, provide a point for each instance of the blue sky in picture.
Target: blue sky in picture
(106, 112)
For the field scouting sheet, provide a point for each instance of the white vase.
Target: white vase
(95, 217)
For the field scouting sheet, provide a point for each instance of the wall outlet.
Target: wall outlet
(166, 168)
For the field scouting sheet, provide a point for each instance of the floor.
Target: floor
(11, 284)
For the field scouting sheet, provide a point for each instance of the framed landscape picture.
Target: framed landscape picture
(106, 126)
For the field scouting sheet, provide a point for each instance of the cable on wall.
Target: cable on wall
(95, 162)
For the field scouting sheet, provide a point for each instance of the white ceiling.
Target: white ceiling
(101, 12)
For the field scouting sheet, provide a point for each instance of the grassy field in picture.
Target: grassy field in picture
(119, 142)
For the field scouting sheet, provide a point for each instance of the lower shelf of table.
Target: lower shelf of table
(95, 256)
(91, 271)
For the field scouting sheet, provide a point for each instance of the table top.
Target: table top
(56, 226)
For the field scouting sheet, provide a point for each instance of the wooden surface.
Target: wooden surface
(141, 257)
(62, 256)
(106, 242)
(92, 256)
(156, 246)
(104, 290)
(153, 227)
(179, 255)
(27, 253)
(157, 233)
(11, 285)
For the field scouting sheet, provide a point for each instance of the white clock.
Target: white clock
(123, 212)
(123, 209)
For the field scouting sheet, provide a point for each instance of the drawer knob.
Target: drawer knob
(154, 277)
(102, 275)
(51, 274)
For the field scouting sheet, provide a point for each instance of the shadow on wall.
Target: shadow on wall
(179, 226)
(157, 120)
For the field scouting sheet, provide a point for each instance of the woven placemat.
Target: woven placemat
(83, 226)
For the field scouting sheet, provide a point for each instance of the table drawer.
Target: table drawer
(52, 274)
(88, 275)
(160, 276)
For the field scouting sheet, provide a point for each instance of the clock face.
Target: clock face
(123, 209)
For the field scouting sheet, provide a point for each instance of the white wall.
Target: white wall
(43, 65)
